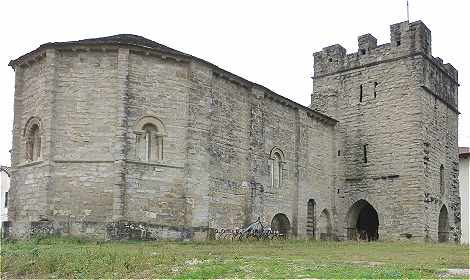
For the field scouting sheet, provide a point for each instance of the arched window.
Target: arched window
(443, 227)
(441, 179)
(149, 139)
(151, 143)
(277, 163)
(311, 222)
(276, 170)
(32, 134)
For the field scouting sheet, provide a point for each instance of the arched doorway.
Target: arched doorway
(325, 225)
(311, 223)
(363, 222)
(281, 223)
(443, 230)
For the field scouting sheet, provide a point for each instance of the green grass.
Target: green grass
(72, 258)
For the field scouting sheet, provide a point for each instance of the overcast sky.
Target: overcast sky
(267, 42)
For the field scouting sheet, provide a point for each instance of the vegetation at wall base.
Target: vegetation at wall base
(58, 257)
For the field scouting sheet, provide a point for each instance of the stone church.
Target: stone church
(121, 137)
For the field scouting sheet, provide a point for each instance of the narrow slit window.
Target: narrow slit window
(441, 179)
(6, 199)
(365, 153)
(360, 93)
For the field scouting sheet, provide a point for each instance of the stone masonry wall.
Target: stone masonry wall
(440, 147)
(439, 99)
(156, 191)
(84, 139)
(242, 126)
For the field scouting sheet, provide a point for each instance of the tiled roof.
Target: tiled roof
(125, 39)
(120, 39)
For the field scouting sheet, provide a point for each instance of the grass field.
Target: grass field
(69, 258)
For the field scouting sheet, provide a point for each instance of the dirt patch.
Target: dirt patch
(464, 272)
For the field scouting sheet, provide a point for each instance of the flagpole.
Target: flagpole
(407, 11)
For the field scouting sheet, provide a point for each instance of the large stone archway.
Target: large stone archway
(281, 223)
(443, 228)
(362, 221)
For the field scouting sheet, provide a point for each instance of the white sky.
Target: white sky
(267, 42)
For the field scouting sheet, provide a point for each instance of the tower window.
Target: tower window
(339, 152)
(365, 153)
(363, 51)
(360, 93)
(6, 199)
(375, 89)
(398, 43)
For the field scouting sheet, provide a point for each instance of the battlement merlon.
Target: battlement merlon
(366, 43)
(406, 39)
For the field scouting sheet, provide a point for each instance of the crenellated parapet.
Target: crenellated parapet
(406, 40)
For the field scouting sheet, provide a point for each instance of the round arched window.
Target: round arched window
(32, 134)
